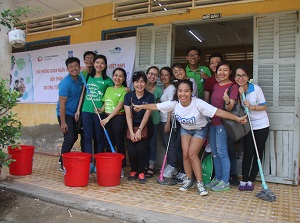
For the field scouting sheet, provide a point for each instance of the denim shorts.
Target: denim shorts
(198, 133)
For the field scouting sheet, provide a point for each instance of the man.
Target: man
(69, 94)
(88, 58)
(194, 70)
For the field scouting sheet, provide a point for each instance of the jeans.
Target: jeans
(70, 137)
(172, 156)
(116, 128)
(218, 143)
(91, 124)
(153, 146)
(250, 157)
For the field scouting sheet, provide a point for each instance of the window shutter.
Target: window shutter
(153, 47)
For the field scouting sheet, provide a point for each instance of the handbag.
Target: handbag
(235, 130)
(144, 133)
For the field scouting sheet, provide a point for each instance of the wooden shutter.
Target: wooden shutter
(276, 71)
(153, 47)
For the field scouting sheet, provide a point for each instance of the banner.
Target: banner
(36, 74)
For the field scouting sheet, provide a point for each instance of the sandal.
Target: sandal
(149, 173)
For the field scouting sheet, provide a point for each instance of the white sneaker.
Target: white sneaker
(122, 173)
(170, 172)
(166, 168)
(201, 188)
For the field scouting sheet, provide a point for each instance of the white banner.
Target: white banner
(36, 74)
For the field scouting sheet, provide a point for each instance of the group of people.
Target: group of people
(189, 107)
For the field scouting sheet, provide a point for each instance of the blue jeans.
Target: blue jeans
(218, 143)
(153, 146)
(70, 137)
(91, 124)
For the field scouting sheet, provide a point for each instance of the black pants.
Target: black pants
(70, 137)
(116, 128)
(250, 157)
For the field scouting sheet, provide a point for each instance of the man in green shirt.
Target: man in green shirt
(194, 70)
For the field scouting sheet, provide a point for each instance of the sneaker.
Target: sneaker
(179, 177)
(142, 178)
(187, 184)
(132, 175)
(212, 183)
(242, 185)
(234, 180)
(221, 186)
(249, 186)
(170, 172)
(201, 188)
(122, 173)
(61, 169)
(92, 168)
(166, 168)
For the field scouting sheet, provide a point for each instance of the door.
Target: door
(276, 71)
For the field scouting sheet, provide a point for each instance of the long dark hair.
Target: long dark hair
(104, 75)
(124, 74)
(185, 81)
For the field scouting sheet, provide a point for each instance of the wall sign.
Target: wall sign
(212, 16)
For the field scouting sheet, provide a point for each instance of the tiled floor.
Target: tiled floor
(227, 206)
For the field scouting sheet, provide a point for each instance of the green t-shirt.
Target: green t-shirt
(112, 97)
(97, 87)
(155, 114)
(196, 75)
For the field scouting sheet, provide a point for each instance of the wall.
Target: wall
(40, 124)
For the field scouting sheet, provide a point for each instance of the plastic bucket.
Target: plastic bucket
(109, 167)
(24, 159)
(76, 166)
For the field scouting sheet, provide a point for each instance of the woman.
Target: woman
(138, 147)
(217, 133)
(190, 112)
(169, 89)
(97, 84)
(115, 115)
(152, 76)
(256, 103)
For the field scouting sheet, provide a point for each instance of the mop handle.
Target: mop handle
(89, 93)
(256, 150)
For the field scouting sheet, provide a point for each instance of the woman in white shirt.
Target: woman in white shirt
(191, 113)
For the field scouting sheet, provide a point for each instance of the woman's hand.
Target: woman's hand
(241, 90)
(77, 114)
(242, 120)
(167, 128)
(246, 103)
(103, 122)
(138, 135)
(136, 108)
(99, 110)
(226, 97)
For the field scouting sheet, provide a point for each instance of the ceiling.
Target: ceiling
(215, 34)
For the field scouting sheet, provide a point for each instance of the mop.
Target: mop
(265, 194)
(89, 93)
(161, 179)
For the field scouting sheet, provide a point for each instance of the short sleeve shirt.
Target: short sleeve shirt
(130, 98)
(209, 85)
(70, 88)
(155, 114)
(112, 97)
(192, 116)
(168, 94)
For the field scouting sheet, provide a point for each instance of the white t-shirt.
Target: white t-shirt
(168, 94)
(190, 117)
(255, 96)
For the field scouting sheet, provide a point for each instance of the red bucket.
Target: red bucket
(109, 166)
(24, 159)
(76, 167)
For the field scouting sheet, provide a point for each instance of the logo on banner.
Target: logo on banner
(70, 53)
(40, 58)
(115, 50)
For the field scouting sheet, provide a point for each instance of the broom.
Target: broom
(265, 194)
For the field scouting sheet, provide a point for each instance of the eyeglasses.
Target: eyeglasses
(73, 67)
(177, 71)
(193, 55)
(152, 74)
(238, 76)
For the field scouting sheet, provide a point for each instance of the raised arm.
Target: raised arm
(228, 115)
(151, 107)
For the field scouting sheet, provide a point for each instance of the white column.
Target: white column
(5, 55)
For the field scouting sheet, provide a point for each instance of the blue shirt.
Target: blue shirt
(71, 89)
(130, 97)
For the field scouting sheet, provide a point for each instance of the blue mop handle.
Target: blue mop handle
(264, 184)
(105, 132)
